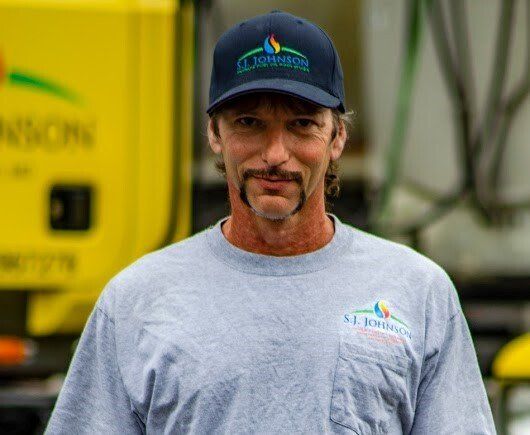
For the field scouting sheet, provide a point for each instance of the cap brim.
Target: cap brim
(301, 90)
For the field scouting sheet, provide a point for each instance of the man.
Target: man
(280, 318)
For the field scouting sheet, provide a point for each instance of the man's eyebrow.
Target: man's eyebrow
(245, 111)
(235, 111)
(307, 112)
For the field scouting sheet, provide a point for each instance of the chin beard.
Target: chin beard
(274, 217)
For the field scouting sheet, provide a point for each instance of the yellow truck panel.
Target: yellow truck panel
(95, 145)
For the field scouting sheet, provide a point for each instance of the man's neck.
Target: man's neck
(306, 231)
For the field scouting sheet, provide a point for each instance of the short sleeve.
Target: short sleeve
(451, 395)
(93, 398)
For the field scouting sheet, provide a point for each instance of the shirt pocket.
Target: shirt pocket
(368, 387)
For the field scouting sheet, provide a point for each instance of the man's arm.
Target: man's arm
(451, 394)
(93, 398)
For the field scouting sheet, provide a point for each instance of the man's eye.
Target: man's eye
(247, 121)
(303, 122)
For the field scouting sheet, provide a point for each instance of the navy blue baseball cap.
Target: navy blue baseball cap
(277, 52)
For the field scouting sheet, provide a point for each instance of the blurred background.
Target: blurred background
(104, 157)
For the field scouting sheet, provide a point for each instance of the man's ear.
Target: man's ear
(213, 139)
(337, 145)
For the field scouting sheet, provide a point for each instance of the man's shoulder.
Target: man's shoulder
(182, 253)
(155, 272)
(398, 264)
(390, 252)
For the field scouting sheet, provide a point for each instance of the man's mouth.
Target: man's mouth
(273, 183)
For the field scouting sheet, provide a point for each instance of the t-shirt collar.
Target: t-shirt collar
(260, 264)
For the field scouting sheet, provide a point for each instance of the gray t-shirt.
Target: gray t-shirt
(361, 336)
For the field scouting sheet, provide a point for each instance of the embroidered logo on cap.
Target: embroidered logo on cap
(272, 54)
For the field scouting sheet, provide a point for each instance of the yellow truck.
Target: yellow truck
(96, 116)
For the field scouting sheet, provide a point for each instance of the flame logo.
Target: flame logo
(270, 45)
(381, 309)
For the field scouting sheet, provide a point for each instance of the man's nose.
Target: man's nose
(274, 151)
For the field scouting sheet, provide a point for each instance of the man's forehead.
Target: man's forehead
(271, 102)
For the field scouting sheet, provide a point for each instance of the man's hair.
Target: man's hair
(296, 105)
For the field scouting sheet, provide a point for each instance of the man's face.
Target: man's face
(276, 154)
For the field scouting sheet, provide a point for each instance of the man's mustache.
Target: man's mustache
(273, 172)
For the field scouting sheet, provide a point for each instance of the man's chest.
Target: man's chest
(287, 350)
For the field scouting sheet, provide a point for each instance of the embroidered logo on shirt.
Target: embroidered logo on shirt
(379, 323)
